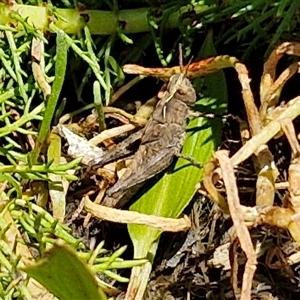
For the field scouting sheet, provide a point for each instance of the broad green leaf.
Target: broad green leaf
(65, 275)
(173, 192)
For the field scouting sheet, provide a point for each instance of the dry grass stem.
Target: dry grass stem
(111, 133)
(254, 121)
(238, 222)
(98, 200)
(272, 95)
(291, 111)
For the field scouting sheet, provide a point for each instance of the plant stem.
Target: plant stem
(99, 22)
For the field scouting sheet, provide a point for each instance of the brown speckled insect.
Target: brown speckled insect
(160, 141)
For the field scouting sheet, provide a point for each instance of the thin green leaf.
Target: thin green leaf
(288, 16)
(99, 105)
(16, 61)
(60, 71)
(13, 182)
(281, 7)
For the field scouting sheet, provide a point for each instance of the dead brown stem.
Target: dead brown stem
(238, 222)
(292, 110)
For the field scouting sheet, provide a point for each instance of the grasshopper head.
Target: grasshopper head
(180, 87)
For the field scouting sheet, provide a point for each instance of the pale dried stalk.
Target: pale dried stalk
(291, 111)
(196, 69)
(263, 160)
(294, 168)
(255, 124)
(132, 217)
(238, 222)
(111, 133)
(271, 96)
(269, 72)
(139, 121)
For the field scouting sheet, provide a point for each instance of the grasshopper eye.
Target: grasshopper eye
(182, 90)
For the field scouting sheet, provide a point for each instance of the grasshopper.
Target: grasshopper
(160, 141)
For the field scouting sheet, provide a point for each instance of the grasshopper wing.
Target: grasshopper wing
(150, 159)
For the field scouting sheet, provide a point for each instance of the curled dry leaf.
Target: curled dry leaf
(131, 217)
(37, 56)
(78, 146)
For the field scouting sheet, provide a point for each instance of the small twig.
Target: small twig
(98, 200)
(125, 88)
(255, 124)
(110, 133)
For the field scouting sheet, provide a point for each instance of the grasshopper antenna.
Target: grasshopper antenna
(182, 75)
(183, 70)
(181, 58)
(188, 66)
